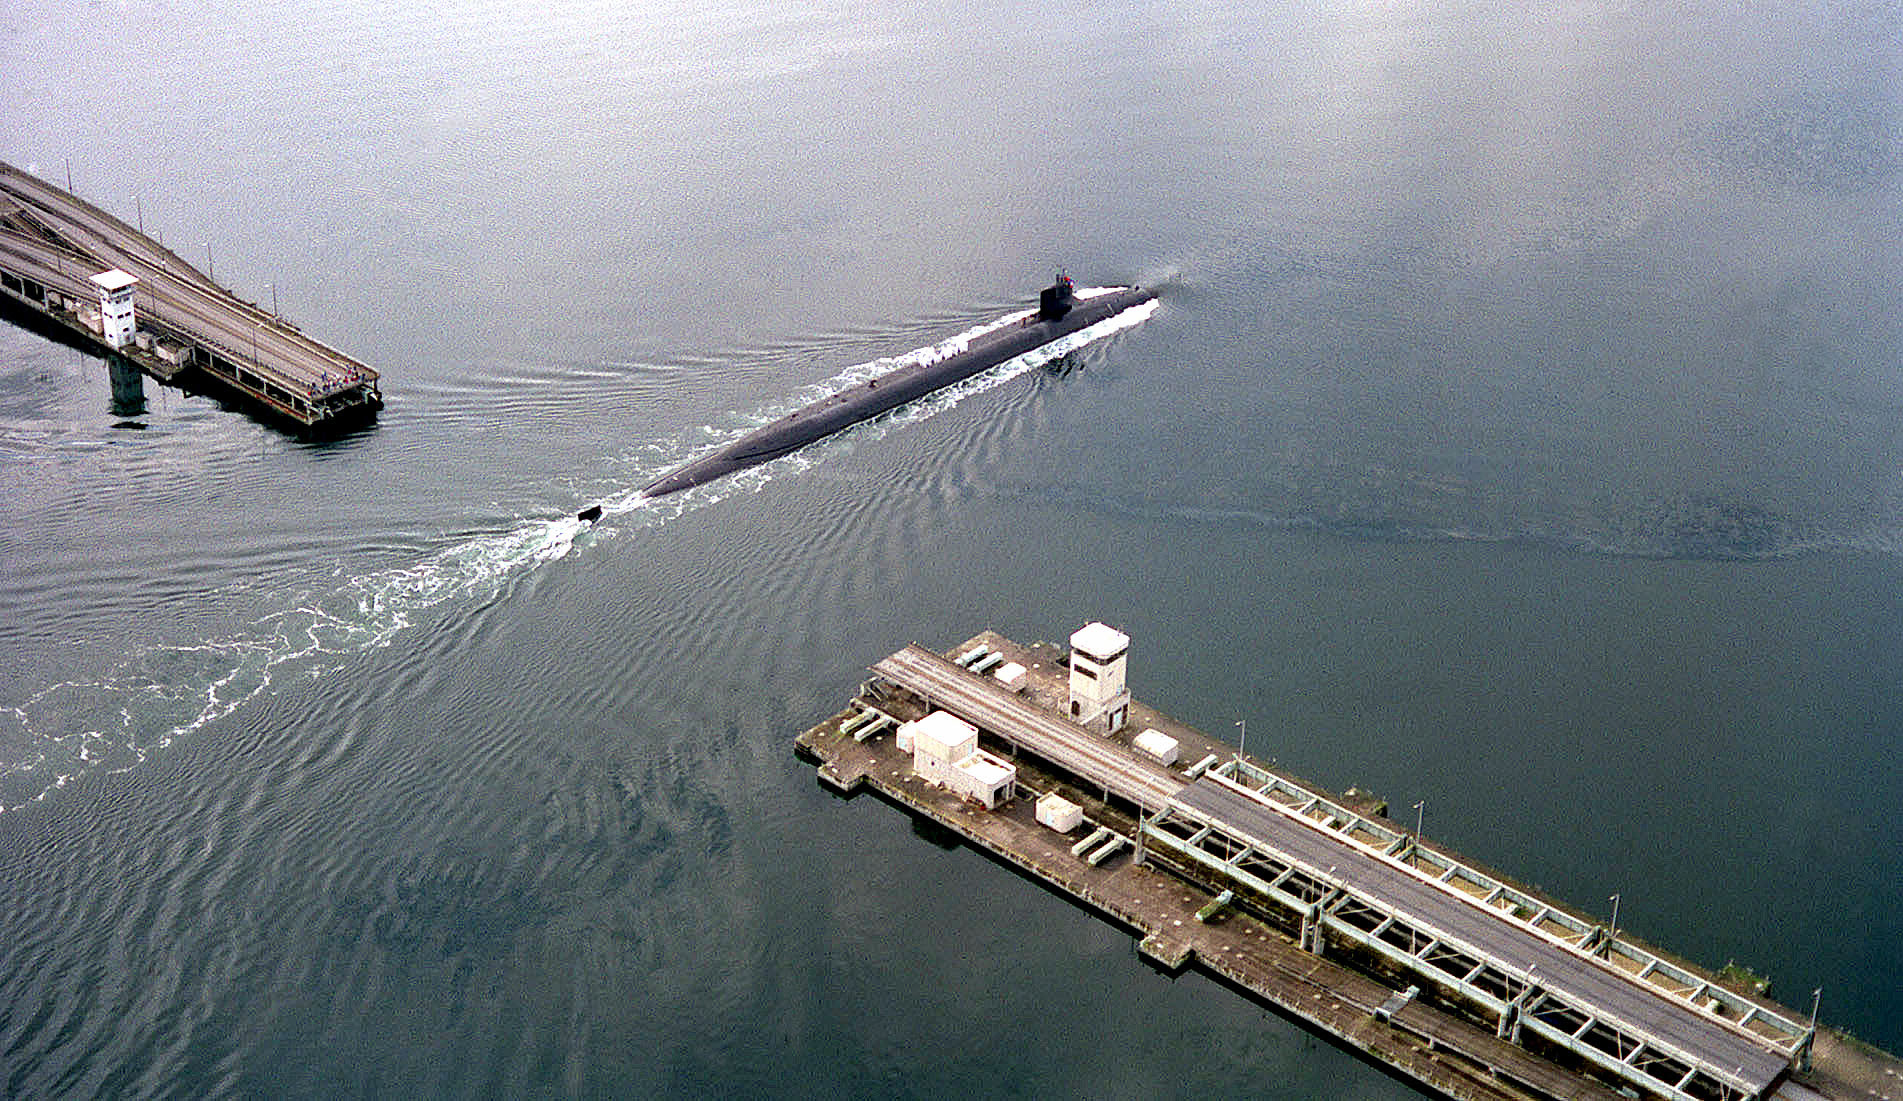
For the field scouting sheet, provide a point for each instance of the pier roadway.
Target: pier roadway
(243, 335)
(1437, 911)
(1560, 993)
(60, 242)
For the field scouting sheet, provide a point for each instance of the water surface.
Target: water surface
(1519, 433)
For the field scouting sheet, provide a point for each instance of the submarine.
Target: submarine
(1060, 312)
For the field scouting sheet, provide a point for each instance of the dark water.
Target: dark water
(1522, 431)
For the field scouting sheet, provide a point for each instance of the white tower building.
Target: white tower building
(1099, 695)
(115, 306)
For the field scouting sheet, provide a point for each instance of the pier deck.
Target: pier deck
(51, 245)
(1523, 999)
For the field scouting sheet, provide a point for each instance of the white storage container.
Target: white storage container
(1159, 745)
(944, 736)
(1059, 813)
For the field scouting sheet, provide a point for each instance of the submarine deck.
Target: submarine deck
(981, 351)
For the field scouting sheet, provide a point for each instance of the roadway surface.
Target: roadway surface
(173, 293)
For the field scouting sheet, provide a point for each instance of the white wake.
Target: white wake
(114, 720)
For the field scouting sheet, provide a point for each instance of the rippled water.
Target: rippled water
(1518, 432)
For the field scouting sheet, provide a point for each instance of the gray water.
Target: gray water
(1519, 433)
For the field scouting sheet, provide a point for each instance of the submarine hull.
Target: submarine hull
(896, 388)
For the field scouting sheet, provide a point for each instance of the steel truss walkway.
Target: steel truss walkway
(1531, 984)
(1767, 1026)
(1537, 971)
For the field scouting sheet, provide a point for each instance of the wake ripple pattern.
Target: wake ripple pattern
(115, 720)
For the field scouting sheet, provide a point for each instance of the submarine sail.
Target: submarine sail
(1061, 311)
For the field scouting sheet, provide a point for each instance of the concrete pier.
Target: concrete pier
(1332, 913)
(107, 286)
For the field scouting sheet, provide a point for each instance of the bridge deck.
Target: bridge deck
(60, 241)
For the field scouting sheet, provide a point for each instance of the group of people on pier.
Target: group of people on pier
(330, 382)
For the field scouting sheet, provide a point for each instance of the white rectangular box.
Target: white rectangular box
(1012, 676)
(1059, 813)
(1159, 745)
(944, 736)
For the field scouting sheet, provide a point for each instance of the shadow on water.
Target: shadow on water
(39, 324)
(241, 404)
(128, 391)
(1313, 1035)
(942, 836)
(334, 441)
(1063, 366)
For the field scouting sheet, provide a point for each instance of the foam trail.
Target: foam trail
(161, 692)
(114, 720)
